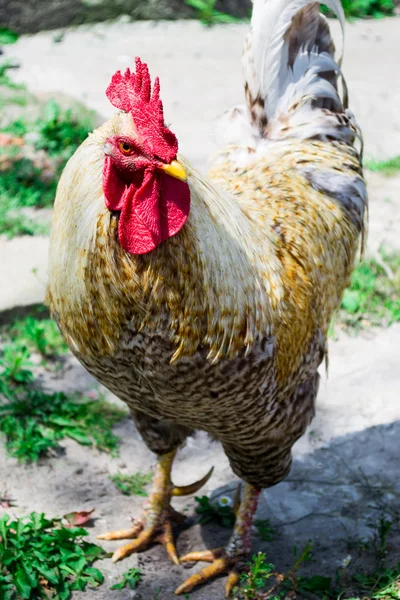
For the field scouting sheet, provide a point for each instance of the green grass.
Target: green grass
(388, 167)
(38, 335)
(261, 581)
(32, 421)
(264, 530)
(373, 298)
(132, 485)
(220, 512)
(130, 579)
(7, 36)
(21, 188)
(382, 582)
(56, 133)
(255, 579)
(42, 559)
(206, 12)
(13, 224)
(368, 8)
(11, 93)
(359, 9)
(39, 558)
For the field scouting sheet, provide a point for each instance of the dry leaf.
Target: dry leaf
(78, 518)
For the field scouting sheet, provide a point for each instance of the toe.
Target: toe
(204, 555)
(219, 566)
(123, 534)
(141, 543)
(167, 540)
(232, 581)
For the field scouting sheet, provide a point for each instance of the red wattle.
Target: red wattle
(147, 205)
(151, 213)
(139, 228)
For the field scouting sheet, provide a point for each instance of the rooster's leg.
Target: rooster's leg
(229, 559)
(155, 525)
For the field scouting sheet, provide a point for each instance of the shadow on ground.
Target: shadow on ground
(333, 497)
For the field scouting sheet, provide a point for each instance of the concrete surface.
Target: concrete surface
(345, 473)
(23, 271)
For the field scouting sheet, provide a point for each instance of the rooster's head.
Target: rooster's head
(142, 179)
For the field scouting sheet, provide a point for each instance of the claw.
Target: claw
(219, 566)
(186, 490)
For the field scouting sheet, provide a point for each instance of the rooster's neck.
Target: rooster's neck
(206, 286)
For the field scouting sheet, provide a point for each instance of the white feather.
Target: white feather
(270, 21)
(308, 88)
(322, 62)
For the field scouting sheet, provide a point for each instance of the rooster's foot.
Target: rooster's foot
(155, 526)
(220, 563)
(145, 534)
(230, 559)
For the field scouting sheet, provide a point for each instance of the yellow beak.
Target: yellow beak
(174, 169)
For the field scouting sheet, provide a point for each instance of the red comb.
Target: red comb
(132, 93)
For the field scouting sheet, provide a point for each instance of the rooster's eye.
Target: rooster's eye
(125, 148)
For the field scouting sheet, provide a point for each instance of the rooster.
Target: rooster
(204, 302)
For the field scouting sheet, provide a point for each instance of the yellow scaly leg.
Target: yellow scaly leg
(155, 525)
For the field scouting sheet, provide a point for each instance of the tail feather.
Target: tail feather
(309, 28)
(288, 61)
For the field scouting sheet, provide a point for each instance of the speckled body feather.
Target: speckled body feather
(222, 327)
